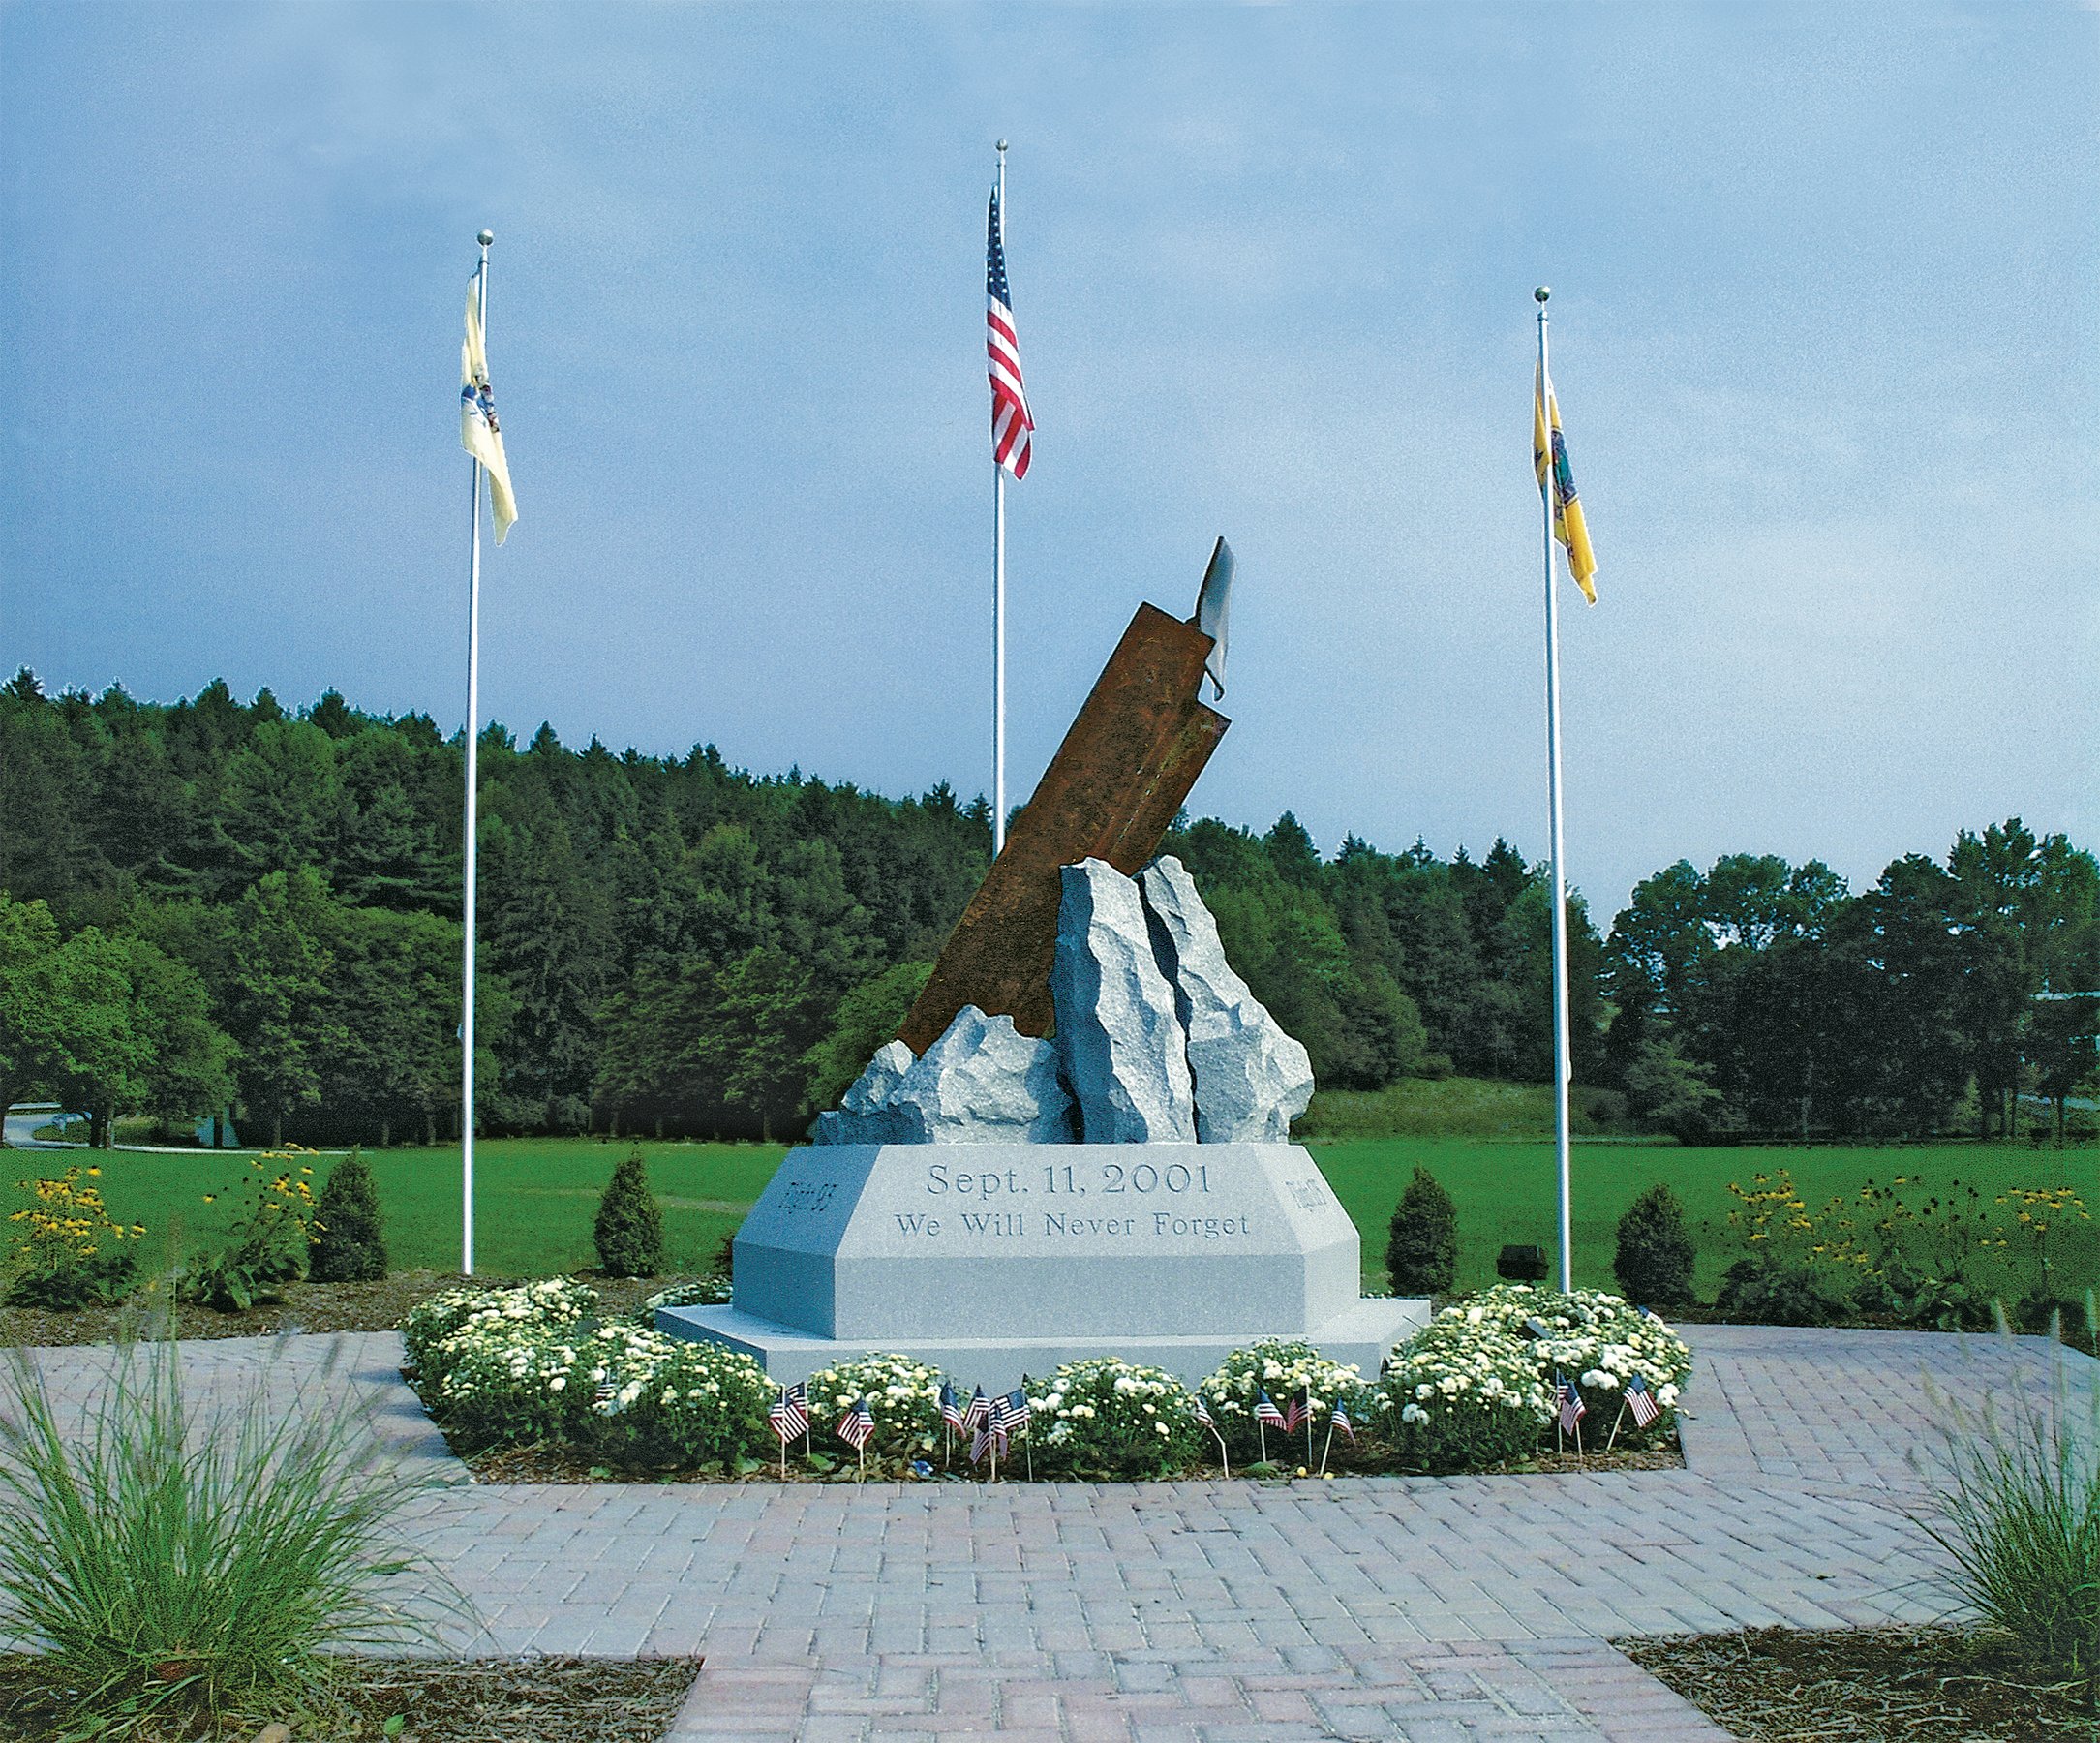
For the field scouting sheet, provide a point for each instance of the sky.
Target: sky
(1826, 287)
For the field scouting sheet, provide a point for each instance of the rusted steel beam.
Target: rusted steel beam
(1126, 764)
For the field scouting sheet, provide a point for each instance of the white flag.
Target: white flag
(480, 433)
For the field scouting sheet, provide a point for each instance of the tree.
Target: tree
(350, 1245)
(628, 1231)
(1421, 1250)
(1655, 1254)
(868, 1017)
(275, 997)
(65, 1009)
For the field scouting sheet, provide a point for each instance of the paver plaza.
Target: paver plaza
(1423, 1609)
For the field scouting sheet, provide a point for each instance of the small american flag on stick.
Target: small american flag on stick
(951, 1406)
(1573, 1408)
(977, 1413)
(857, 1427)
(1269, 1416)
(1640, 1402)
(1011, 422)
(788, 1418)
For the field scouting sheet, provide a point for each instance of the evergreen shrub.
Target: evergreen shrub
(629, 1227)
(1422, 1252)
(1656, 1253)
(349, 1244)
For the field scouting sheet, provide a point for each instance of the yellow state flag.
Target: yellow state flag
(1568, 525)
(480, 433)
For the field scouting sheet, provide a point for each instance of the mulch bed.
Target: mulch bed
(379, 1306)
(556, 1463)
(440, 1700)
(1868, 1685)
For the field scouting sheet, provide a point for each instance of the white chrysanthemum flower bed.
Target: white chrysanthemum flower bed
(1597, 1340)
(712, 1291)
(550, 1302)
(1107, 1418)
(1278, 1366)
(1471, 1390)
(903, 1396)
(1475, 1386)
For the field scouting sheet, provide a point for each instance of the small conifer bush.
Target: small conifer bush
(1421, 1253)
(630, 1229)
(1656, 1250)
(349, 1244)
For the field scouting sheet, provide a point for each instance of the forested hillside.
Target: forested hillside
(213, 901)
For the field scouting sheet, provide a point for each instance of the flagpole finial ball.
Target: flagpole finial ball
(1002, 144)
(486, 237)
(1541, 294)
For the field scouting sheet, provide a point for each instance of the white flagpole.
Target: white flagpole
(1561, 1063)
(998, 602)
(473, 729)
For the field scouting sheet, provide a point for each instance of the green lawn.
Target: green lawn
(535, 1196)
(1505, 1192)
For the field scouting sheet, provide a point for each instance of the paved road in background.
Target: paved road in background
(1400, 1607)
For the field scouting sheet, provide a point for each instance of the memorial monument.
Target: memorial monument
(1079, 1145)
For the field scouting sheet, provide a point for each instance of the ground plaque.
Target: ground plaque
(992, 1259)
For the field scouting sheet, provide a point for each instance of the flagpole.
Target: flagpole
(999, 604)
(1561, 1063)
(467, 872)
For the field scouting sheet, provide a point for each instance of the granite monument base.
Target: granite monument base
(1364, 1335)
(992, 1260)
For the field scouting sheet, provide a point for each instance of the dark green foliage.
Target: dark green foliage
(629, 1227)
(350, 1246)
(1422, 1254)
(1787, 1293)
(1656, 1251)
(676, 945)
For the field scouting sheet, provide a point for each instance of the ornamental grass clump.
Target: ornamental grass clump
(1105, 1417)
(903, 1396)
(2019, 1514)
(164, 1562)
(1278, 1366)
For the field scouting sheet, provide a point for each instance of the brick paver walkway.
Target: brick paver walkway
(1408, 1607)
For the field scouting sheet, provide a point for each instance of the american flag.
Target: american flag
(977, 1413)
(1012, 1412)
(1341, 1422)
(1010, 419)
(1302, 1407)
(1573, 1408)
(951, 1407)
(989, 1437)
(1202, 1413)
(788, 1416)
(857, 1427)
(1640, 1402)
(1267, 1414)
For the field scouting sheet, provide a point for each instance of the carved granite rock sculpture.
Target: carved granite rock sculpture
(1251, 1079)
(982, 1082)
(863, 1116)
(1118, 1032)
